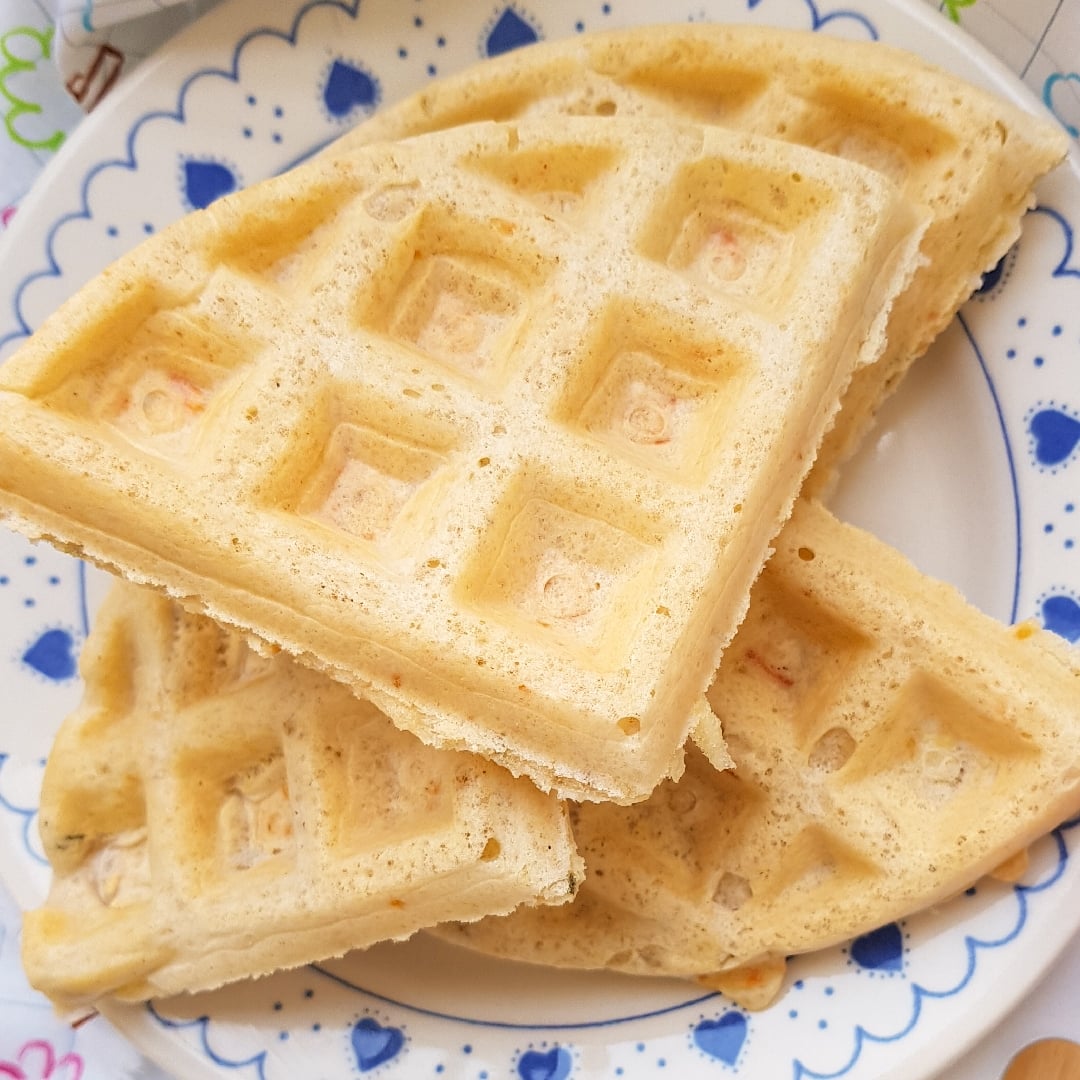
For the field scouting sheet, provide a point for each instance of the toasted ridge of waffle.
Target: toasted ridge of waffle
(211, 815)
(504, 457)
(967, 157)
(892, 745)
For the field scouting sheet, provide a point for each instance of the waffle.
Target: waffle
(210, 815)
(892, 746)
(966, 157)
(505, 462)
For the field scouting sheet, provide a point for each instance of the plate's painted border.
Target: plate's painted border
(819, 21)
(129, 162)
(921, 998)
(921, 995)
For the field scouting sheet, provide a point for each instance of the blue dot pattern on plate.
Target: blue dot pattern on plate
(45, 594)
(1034, 387)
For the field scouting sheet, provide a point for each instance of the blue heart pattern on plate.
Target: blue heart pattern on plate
(722, 1038)
(1056, 84)
(1062, 615)
(348, 88)
(880, 950)
(553, 1064)
(53, 655)
(1055, 436)
(204, 181)
(509, 31)
(373, 1044)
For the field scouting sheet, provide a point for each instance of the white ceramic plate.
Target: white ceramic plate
(974, 472)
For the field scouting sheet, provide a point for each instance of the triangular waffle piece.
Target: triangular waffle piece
(892, 746)
(508, 468)
(967, 157)
(210, 815)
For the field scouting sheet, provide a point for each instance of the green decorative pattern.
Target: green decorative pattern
(15, 106)
(952, 8)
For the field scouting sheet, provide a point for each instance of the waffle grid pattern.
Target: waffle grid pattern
(967, 158)
(508, 489)
(890, 749)
(212, 814)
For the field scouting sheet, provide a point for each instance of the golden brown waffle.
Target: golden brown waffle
(210, 815)
(494, 425)
(967, 157)
(892, 745)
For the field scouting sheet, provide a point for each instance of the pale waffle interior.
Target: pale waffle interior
(892, 745)
(210, 815)
(967, 157)
(494, 425)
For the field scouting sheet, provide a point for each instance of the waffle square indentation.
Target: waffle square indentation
(568, 579)
(157, 389)
(728, 248)
(391, 788)
(738, 229)
(815, 860)
(365, 481)
(944, 751)
(455, 290)
(869, 130)
(233, 809)
(793, 657)
(655, 393)
(255, 820)
(459, 312)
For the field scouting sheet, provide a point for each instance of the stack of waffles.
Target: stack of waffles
(460, 450)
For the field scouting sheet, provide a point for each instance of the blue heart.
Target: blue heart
(346, 88)
(1049, 87)
(510, 31)
(205, 181)
(374, 1044)
(554, 1065)
(723, 1037)
(1062, 615)
(1056, 435)
(880, 950)
(53, 655)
